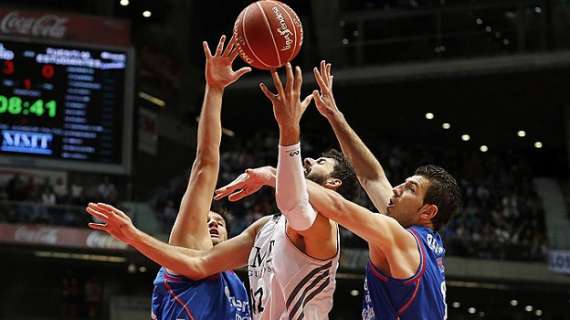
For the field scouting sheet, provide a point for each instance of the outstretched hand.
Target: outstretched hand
(247, 183)
(115, 222)
(324, 100)
(219, 72)
(287, 106)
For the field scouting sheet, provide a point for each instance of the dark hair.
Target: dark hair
(224, 212)
(442, 192)
(344, 172)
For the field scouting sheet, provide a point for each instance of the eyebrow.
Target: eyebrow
(413, 182)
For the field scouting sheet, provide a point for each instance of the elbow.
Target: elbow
(205, 159)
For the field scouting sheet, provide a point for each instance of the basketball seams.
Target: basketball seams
(291, 56)
(266, 20)
(247, 42)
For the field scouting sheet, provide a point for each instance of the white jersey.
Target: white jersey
(285, 282)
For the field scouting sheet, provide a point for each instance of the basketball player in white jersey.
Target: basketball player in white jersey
(292, 258)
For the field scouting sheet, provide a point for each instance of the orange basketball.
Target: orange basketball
(269, 34)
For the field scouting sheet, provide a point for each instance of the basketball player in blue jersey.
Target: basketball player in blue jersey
(405, 276)
(180, 296)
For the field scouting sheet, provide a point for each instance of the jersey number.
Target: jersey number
(256, 300)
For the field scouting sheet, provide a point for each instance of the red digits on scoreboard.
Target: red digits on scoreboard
(47, 71)
(8, 67)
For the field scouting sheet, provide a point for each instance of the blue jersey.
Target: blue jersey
(421, 297)
(221, 296)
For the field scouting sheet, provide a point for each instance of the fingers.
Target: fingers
(207, 51)
(270, 95)
(278, 84)
(220, 47)
(97, 226)
(298, 80)
(234, 53)
(238, 74)
(230, 47)
(320, 82)
(236, 196)
(290, 77)
(96, 214)
(318, 100)
(231, 187)
(306, 102)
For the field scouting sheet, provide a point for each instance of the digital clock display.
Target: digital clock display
(63, 102)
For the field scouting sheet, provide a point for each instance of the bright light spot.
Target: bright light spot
(538, 9)
(538, 144)
(429, 116)
(132, 268)
(345, 41)
(142, 269)
(456, 304)
(488, 29)
(446, 126)
(484, 148)
(354, 293)
(514, 303)
(506, 42)
(528, 308)
(538, 312)
(147, 14)
(465, 137)
(471, 310)
(521, 133)
(124, 3)
(479, 21)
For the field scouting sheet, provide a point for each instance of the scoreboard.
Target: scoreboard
(65, 105)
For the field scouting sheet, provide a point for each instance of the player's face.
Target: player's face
(319, 170)
(217, 227)
(407, 200)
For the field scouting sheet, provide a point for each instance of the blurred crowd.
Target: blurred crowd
(502, 217)
(29, 198)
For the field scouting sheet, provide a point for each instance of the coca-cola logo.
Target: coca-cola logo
(47, 26)
(101, 240)
(36, 235)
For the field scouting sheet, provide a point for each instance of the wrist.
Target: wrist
(214, 88)
(289, 135)
(336, 117)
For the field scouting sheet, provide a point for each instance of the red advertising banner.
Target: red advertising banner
(58, 237)
(64, 27)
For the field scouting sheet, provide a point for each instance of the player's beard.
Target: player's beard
(318, 179)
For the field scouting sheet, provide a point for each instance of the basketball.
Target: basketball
(269, 34)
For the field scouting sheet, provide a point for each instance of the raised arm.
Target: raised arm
(370, 173)
(385, 236)
(190, 229)
(193, 264)
(291, 187)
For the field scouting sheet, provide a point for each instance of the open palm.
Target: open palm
(219, 71)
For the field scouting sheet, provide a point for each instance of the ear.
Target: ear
(332, 183)
(428, 212)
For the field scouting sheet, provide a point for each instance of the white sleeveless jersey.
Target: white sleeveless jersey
(285, 282)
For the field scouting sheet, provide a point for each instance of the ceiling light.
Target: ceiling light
(538, 312)
(479, 21)
(429, 116)
(528, 308)
(488, 29)
(465, 137)
(538, 10)
(538, 145)
(147, 14)
(471, 310)
(506, 42)
(124, 3)
(484, 148)
(521, 133)
(354, 293)
(446, 126)
(514, 303)
(456, 304)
